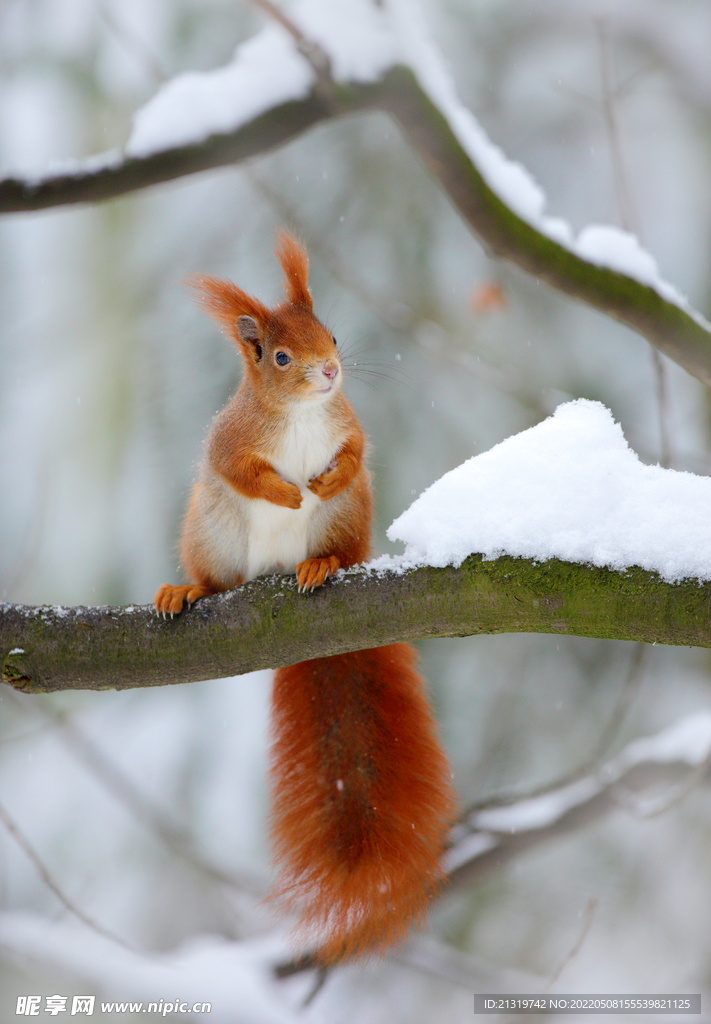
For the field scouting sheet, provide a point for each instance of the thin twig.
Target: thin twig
(662, 391)
(138, 804)
(588, 916)
(612, 92)
(133, 44)
(321, 978)
(627, 211)
(488, 841)
(652, 807)
(19, 837)
(426, 953)
(593, 760)
(312, 51)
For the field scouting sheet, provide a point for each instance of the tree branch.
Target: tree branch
(486, 841)
(73, 909)
(597, 796)
(315, 54)
(97, 180)
(138, 803)
(266, 623)
(664, 324)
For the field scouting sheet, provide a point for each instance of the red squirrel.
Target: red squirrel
(361, 790)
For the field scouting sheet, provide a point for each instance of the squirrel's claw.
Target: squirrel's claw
(170, 599)
(314, 572)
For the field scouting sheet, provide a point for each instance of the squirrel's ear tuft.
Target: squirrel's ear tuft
(295, 264)
(244, 318)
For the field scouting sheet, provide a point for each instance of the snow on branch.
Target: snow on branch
(489, 838)
(266, 623)
(559, 529)
(486, 840)
(568, 488)
(353, 56)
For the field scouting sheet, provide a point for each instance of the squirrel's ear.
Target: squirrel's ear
(295, 264)
(249, 333)
(244, 318)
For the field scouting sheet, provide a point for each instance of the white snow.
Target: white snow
(620, 250)
(357, 35)
(266, 71)
(474, 845)
(688, 741)
(363, 41)
(235, 977)
(568, 488)
(71, 166)
(539, 811)
(617, 249)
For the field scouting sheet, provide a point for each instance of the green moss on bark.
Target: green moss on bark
(266, 623)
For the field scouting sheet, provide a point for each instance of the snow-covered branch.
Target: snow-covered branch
(490, 838)
(114, 174)
(378, 57)
(558, 529)
(487, 840)
(266, 623)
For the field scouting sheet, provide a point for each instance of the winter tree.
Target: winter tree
(410, 147)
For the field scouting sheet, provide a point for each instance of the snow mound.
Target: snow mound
(569, 488)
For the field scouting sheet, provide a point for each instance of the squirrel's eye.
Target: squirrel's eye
(282, 358)
(334, 339)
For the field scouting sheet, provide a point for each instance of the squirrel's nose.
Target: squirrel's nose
(330, 370)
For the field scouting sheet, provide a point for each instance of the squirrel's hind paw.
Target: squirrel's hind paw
(315, 571)
(170, 599)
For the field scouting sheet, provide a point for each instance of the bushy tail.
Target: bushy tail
(362, 799)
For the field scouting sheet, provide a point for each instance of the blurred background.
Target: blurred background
(137, 803)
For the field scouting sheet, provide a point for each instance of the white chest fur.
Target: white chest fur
(278, 536)
(307, 445)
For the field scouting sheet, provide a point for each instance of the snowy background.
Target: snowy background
(134, 801)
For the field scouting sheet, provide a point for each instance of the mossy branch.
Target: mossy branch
(665, 325)
(266, 623)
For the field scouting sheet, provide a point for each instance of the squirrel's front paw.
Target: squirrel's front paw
(329, 484)
(281, 492)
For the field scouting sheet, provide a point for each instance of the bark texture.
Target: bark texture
(682, 337)
(267, 624)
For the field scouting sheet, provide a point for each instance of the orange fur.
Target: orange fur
(361, 789)
(339, 476)
(224, 302)
(313, 572)
(295, 264)
(361, 796)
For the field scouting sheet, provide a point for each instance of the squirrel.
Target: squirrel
(361, 790)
